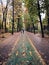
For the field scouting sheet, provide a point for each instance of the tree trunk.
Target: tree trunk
(40, 20)
(3, 13)
(18, 26)
(5, 17)
(41, 26)
(13, 18)
(12, 26)
(2, 20)
(48, 25)
(34, 28)
(5, 26)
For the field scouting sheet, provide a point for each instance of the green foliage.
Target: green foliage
(18, 7)
(20, 24)
(44, 21)
(27, 25)
(32, 9)
(27, 17)
(46, 5)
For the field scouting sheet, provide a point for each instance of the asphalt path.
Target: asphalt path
(24, 53)
(41, 44)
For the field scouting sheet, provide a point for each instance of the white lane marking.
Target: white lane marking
(36, 51)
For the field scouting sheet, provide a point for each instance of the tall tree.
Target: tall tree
(5, 13)
(46, 6)
(34, 9)
(13, 17)
(40, 18)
